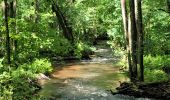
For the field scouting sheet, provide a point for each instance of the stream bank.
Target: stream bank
(159, 90)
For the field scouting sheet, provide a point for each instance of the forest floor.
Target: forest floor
(87, 79)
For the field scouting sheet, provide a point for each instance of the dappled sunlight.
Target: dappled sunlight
(84, 49)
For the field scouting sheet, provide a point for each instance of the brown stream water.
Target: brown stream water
(86, 79)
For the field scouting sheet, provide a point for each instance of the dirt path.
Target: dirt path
(86, 80)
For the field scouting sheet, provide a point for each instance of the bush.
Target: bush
(155, 75)
(83, 50)
(153, 68)
(20, 84)
(156, 62)
(6, 89)
(23, 85)
(38, 66)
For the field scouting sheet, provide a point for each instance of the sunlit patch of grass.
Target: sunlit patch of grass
(155, 76)
(156, 62)
(153, 68)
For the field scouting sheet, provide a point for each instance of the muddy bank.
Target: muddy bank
(159, 90)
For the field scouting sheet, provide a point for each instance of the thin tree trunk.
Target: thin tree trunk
(133, 39)
(168, 6)
(67, 30)
(130, 50)
(13, 16)
(7, 33)
(139, 26)
(11, 9)
(16, 31)
(126, 34)
(37, 3)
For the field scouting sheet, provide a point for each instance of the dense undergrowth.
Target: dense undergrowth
(156, 67)
(20, 83)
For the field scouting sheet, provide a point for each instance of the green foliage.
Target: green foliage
(6, 90)
(154, 68)
(83, 49)
(38, 66)
(1, 66)
(88, 20)
(123, 62)
(153, 71)
(155, 75)
(156, 62)
(17, 85)
(22, 78)
(20, 84)
(156, 24)
(114, 30)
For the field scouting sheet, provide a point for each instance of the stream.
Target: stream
(87, 79)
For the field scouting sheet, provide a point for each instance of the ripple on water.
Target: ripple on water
(87, 80)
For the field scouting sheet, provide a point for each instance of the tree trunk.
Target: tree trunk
(12, 11)
(168, 6)
(139, 26)
(133, 40)
(126, 35)
(7, 33)
(67, 30)
(130, 50)
(125, 19)
(37, 17)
